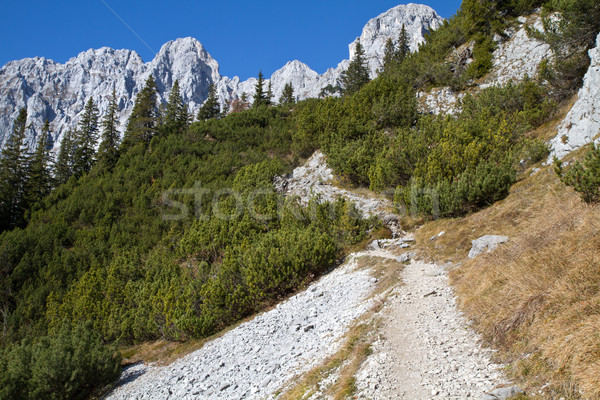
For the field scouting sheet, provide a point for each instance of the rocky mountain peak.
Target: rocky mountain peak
(418, 20)
(58, 92)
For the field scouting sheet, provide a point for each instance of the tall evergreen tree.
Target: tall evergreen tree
(39, 183)
(63, 169)
(287, 96)
(210, 108)
(260, 97)
(85, 139)
(357, 74)
(389, 55)
(13, 176)
(270, 94)
(403, 45)
(143, 122)
(176, 116)
(108, 152)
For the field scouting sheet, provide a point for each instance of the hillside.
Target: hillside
(334, 247)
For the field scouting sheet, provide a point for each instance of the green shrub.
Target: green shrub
(73, 364)
(584, 176)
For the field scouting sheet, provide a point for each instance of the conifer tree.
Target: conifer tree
(269, 94)
(389, 55)
(287, 96)
(39, 183)
(85, 139)
(176, 114)
(403, 46)
(108, 152)
(143, 122)
(13, 176)
(210, 108)
(260, 97)
(357, 74)
(63, 169)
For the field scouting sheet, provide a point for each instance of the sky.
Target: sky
(243, 36)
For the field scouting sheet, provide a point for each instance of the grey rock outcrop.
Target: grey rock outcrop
(486, 243)
(582, 124)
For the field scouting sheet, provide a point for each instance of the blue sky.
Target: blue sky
(243, 36)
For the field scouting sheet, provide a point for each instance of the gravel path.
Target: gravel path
(257, 358)
(426, 349)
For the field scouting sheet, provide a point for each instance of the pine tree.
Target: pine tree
(143, 122)
(357, 74)
(63, 169)
(176, 114)
(13, 176)
(389, 55)
(39, 183)
(85, 139)
(108, 152)
(260, 97)
(210, 108)
(269, 94)
(287, 96)
(403, 46)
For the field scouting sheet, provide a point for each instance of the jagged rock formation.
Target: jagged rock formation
(582, 124)
(58, 91)
(418, 20)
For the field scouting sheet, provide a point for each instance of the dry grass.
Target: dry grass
(537, 298)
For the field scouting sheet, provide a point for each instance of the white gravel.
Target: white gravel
(255, 359)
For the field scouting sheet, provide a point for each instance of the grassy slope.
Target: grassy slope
(537, 298)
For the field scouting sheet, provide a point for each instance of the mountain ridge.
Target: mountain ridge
(57, 92)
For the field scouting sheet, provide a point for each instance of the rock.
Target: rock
(504, 393)
(520, 55)
(405, 257)
(582, 124)
(486, 243)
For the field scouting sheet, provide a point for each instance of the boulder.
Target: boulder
(486, 243)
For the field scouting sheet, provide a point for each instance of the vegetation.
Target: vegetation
(176, 232)
(583, 176)
(357, 73)
(211, 107)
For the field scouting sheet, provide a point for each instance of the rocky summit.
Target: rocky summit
(58, 92)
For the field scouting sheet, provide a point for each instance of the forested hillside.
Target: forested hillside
(176, 232)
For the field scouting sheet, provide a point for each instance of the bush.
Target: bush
(73, 364)
(584, 176)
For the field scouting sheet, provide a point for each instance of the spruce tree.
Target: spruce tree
(287, 96)
(357, 74)
(210, 108)
(108, 152)
(389, 55)
(143, 122)
(269, 94)
(403, 46)
(260, 97)
(39, 184)
(13, 176)
(63, 169)
(85, 139)
(176, 114)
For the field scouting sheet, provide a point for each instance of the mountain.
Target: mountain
(58, 92)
